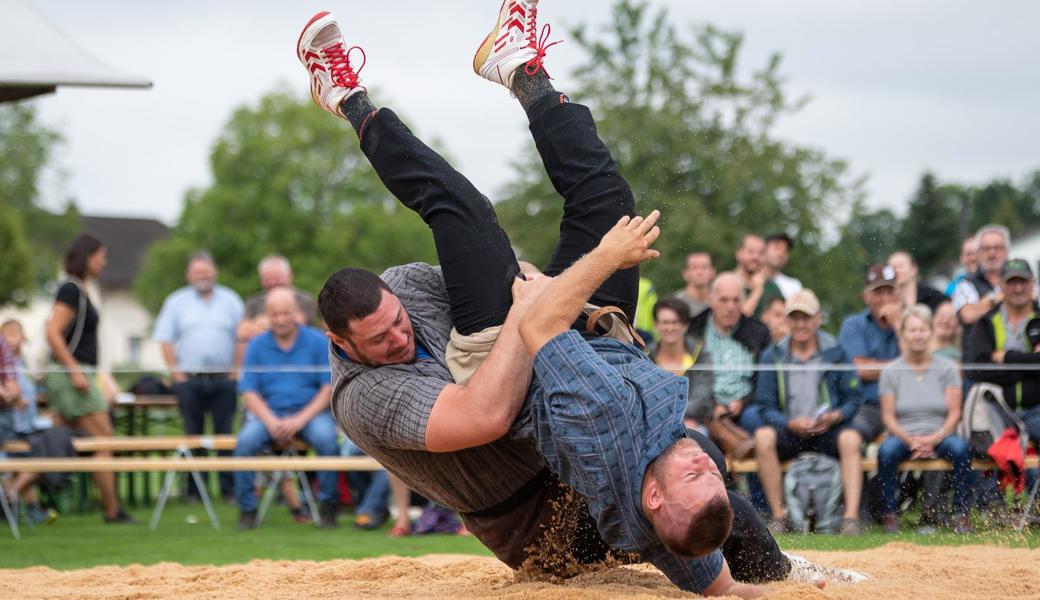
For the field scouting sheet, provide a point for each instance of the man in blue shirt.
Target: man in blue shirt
(869, 339)
(449, 440)
(285, 403)
(611, 426)
(196, 331)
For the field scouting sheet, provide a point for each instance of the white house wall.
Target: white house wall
(123, 319)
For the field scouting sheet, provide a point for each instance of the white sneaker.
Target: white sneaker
(805, 570)
(511, 43)
(322, 52)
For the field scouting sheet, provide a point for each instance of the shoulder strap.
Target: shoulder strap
(81, 319)
(593, 318)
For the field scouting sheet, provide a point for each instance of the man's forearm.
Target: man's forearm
(482, 410)
(502, 380)
(970, 313)
(255, 404)
(868, 369)
(170, 357)
(561, 303)
(318, 404)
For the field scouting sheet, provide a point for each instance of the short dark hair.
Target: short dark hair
(781, 237)
(709, 528)
(350, 294)
(78, 254)
(773, 300)
(675, 304)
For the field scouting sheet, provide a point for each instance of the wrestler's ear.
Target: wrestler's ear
(339, 341)
(654, 497)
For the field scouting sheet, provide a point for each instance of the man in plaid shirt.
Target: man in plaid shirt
(392, 391)
(10, 395)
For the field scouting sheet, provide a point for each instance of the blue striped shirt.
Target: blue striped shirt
(601, 412)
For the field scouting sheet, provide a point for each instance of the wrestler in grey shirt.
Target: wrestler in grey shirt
(384, 410)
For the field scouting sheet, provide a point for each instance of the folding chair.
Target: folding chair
(292, 449)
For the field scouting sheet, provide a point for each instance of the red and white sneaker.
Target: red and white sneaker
(513, 42)
(327, 60)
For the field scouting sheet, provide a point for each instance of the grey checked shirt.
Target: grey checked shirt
(384, 410)
(602, 412)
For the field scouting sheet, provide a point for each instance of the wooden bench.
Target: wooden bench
(870, 464)
(180, 461)
(145, 444)
(122, 464)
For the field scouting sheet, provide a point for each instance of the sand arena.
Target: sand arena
(901, 570)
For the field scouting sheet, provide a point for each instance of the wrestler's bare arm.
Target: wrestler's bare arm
(624, 246)
(482, 410)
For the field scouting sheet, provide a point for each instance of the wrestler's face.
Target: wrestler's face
(686, 481)
(384, 337)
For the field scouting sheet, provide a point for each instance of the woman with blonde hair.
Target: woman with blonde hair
(920, 397)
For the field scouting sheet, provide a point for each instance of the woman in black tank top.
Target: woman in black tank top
(72, 334)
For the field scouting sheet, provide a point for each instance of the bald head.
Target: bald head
(727, 294)
(274, 271)
(726, 284)
(282, 312)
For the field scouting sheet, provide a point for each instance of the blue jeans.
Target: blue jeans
(372, 489)
(952, 448)
(320, 433)
(1031, 417)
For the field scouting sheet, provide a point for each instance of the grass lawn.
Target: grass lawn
(77, 541)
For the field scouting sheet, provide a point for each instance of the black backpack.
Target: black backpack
(55, 442)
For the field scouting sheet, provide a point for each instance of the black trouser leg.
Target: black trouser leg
(750, 550)
(223, 406)
(475, 254)
(191, 402)
(594, 192)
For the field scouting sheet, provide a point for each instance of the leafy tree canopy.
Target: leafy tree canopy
(33, 237)
(289, 180)
(694, 136)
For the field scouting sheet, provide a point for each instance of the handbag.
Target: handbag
(731, 438)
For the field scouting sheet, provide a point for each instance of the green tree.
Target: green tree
(16, 265)
(694, 138)
(287, 179)
(929, 226)
(873, 231)
(26, 149)
(997, 202)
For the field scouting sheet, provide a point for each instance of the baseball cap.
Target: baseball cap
(880, 276)
(803, 301)
(1016, 268)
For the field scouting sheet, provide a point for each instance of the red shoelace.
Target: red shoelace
(342, 73)
(539, 44)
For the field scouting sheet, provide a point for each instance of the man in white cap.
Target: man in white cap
(804, 406)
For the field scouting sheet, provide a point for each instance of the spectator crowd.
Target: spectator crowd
(767, 381)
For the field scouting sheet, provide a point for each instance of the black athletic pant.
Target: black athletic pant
(475, 254)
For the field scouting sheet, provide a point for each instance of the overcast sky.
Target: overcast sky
(896, 87)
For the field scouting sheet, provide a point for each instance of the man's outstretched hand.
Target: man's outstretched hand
(628, 243)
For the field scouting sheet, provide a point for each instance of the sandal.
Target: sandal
(400, 529)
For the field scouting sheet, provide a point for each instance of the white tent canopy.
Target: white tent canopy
(36, 57)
